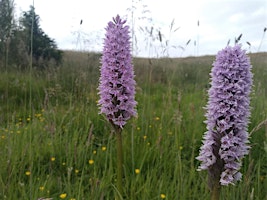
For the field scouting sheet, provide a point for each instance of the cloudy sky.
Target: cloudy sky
(186, 27)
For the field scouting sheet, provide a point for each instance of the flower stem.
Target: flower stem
(214, 174)
(215, 192)
(119, 163)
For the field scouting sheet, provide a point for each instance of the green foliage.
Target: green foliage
(56, 135)
(42, 46)
(19, 42)
(6, 28)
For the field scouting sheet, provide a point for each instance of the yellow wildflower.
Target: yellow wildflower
(63, 196)
(28, 173)
(41, 188)
(91, 161)
(137, 171)
(157, 118)
(163, 196)
(104, 148)
(38, 115)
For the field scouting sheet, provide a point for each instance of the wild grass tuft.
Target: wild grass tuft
(72, 149)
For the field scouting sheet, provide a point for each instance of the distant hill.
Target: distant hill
(81, 58)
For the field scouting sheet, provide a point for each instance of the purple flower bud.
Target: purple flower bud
(226, 140)
(117, 84)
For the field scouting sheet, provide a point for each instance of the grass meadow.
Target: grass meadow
(54, 144)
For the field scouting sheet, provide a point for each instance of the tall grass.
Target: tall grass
(52, 140)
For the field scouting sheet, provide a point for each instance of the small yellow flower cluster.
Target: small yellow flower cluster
(41, 188)
(39, 116)
(19, 123)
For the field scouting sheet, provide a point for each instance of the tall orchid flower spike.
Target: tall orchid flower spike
(117, 84)
(226, 140)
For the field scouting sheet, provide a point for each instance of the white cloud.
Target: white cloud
(220, 20)
(235, 18)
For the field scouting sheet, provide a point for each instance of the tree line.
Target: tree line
(23, 40)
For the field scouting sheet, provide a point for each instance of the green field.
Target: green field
(53, 142)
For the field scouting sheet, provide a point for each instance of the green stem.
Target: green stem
(214, 173)
(215, 192)
(119, 163)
